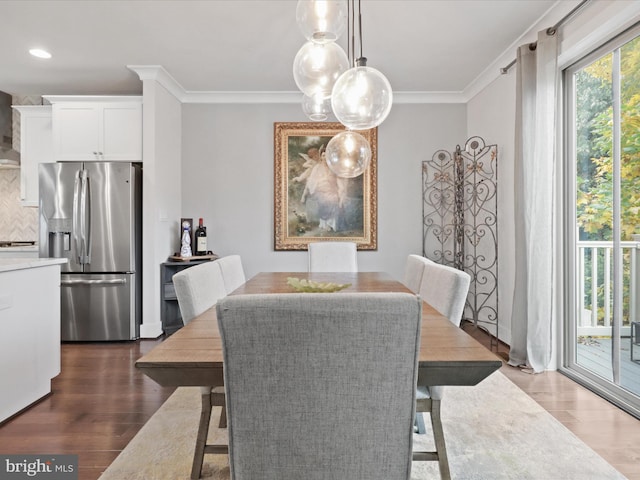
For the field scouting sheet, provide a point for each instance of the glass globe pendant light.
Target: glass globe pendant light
(348, 154)
(316, 108)
(321, 21)
(317, 66)
(361, 97)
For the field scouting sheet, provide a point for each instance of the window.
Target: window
(602, 93)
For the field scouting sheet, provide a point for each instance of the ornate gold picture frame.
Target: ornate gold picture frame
(311, 203)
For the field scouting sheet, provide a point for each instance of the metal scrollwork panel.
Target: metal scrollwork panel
(459, 193)
(438, 207)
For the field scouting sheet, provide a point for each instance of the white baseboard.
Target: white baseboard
(151, 330)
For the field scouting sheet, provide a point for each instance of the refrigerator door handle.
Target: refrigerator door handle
(116, 281)
(81, 223)
(86, 203)
(76, 216)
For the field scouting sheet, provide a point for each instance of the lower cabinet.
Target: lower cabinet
(19, 252)
(30, 339)
(169, 308)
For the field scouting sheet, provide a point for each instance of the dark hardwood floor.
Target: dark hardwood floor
(100, 401)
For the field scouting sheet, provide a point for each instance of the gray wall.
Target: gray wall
(491, 114)
(227, 178)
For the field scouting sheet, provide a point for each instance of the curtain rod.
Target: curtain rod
(550, 31)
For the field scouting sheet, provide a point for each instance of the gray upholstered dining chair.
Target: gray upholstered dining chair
(413, 271)
(302, 370)
(199, 288)
(333, 257)
(232, 272)
(444, 288)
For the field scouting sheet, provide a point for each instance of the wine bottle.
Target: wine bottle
(201, 239)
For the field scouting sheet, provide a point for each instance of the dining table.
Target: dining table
(192, 356)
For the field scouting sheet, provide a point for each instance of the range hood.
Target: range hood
(9, 158)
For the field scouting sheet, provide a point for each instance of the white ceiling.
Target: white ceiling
(246, 45)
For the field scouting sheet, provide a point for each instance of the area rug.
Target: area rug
(493, 431)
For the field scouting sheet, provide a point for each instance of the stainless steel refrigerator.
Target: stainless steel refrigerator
(90, 213)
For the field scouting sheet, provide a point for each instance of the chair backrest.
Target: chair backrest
(413, 270)
(198, 288)
(445, 288)
(320, 385)
(333, 257)
(232, 272)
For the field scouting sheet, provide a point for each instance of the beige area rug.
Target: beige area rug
(493, 431)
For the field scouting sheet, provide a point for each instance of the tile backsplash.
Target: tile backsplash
(17, 223)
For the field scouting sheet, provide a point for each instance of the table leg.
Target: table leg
(201, 440)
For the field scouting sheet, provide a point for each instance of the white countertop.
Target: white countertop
(21, 248)
(10, 264)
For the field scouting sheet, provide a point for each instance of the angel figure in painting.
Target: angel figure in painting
(324, 194)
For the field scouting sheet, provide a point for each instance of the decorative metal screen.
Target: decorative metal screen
(460, 225)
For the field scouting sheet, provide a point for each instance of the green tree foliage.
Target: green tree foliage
(594, 119)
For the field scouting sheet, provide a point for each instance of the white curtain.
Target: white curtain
(536, 116)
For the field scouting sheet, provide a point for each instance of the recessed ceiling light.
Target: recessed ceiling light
(38, 52)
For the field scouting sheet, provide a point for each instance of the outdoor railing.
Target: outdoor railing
(595, 287)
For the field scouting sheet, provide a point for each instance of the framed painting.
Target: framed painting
(311, 203)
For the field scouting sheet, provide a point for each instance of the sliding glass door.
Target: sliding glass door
(602, 136)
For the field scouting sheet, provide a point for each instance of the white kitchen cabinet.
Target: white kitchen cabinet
(19, 252)
(36, 146)
(97, 128)
(30, 340)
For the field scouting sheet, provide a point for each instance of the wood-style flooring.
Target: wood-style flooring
(100, 401)
(608, 430)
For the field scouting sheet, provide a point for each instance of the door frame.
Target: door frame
(569, 268)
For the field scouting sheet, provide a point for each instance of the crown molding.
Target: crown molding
(92, 98)
(493, 71)
(159, 74)
(428, 97)
(242, 97)
(484, 79)
(296, 97)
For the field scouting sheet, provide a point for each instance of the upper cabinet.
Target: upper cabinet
(36, 146)
(97, 128)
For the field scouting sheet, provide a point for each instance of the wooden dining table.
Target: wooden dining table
(193, 355)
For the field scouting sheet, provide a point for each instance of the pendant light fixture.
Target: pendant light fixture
(317, 66)
(320, 61)
(362, 96)
(321, 21)
(361, 99)
(316, 108)
(348, 154)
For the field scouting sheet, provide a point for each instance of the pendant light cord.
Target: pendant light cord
(351, 29)
(360, 26)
